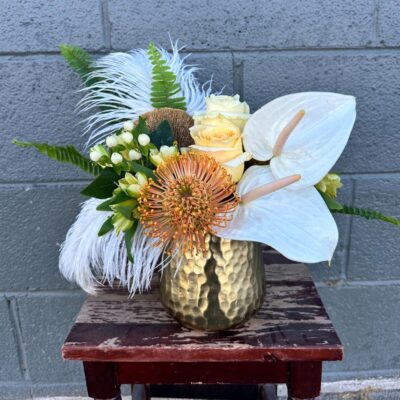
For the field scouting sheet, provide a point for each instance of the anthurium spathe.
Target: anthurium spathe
(301, 133)
(297, 223)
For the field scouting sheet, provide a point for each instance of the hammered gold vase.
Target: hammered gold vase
(218, 290)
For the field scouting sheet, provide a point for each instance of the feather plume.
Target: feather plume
(89, 259)
(123, 85)
(79, 255)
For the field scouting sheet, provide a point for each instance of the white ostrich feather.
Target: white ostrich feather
(123, 90)
(79, 254)
(88, 259)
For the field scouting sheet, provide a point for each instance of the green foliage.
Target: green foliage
(128, 235)
(117, 198)
(103, 186)
(367, 213)
(78, 59)
(65, 154)
(332, 203)
(164, 85)
(126, 209)
(136, 167)
(106, 227)
(140, 127)
(163, 135)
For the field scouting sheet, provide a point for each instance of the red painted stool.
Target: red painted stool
(134, 341)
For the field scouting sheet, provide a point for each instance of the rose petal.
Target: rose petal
(296, 223)
(238, 160)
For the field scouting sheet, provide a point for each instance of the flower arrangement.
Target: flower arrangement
(174, 163)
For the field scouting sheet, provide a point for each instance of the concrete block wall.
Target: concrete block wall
(260, 49)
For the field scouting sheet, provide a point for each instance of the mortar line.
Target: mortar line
(362, 374)
(33, 184)
(261, 49)
(16, 323)
(371, 174)
(375, 22)
(106, 23)
(355, 284)
(238, 73)
(317, 50)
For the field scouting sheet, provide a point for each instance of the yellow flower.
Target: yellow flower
(230, 107)
(157, 157)
(221, 139)
(133, 184)
(120, 222)
(329, 184)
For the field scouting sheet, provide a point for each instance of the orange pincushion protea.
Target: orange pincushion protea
(191, 197)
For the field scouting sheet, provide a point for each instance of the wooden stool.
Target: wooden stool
(135, 341)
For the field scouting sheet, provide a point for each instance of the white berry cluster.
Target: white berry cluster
(123, 147)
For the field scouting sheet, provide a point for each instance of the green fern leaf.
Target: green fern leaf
(66, 154)
(368, 214)
(78, 59)
(164, 85)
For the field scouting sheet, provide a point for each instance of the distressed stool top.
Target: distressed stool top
(292, 325)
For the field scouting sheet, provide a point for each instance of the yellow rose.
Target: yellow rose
(221, 139)
(230, 107)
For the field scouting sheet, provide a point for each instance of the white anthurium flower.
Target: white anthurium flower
(301, 133)
(297, 223)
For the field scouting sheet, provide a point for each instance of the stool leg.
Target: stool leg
(101, 380)
(304, 380)
(140, 392)
(268, 392)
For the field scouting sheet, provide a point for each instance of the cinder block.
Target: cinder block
(13, 391)
(365, 319)
(372, 78)
(9, 365)
(46, 321)
(375, 250)
(237, 24)
(367, 394)
(34, 222)
(374, 144)
(388, 23)
(268, 76)
(76, 390)
(39, 98)
(32, 26)
(70, 390)
(217, 66)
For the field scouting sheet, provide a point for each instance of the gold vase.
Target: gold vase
(218, 290)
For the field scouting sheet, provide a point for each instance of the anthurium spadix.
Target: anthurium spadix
(296, 223)
(301, 133)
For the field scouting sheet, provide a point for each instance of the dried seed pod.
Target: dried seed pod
(179, 120)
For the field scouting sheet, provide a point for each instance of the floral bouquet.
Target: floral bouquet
(187, 182)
